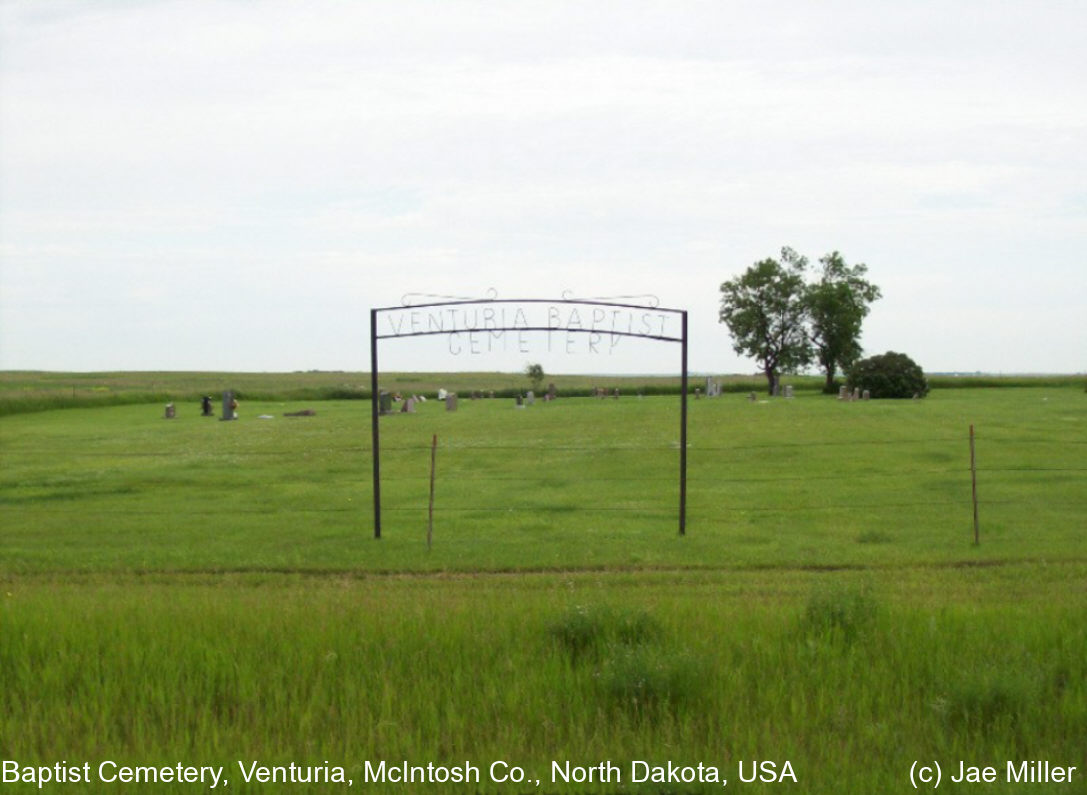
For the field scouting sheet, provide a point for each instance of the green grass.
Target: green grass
(23, 391)
(732, 666)
(205, 592)
(31, 391)
(572, 484)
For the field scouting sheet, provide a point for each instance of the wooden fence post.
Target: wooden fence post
(974, 484)
(430, 514)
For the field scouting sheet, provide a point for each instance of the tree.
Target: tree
(890, 375)
(535, 373)
(837, 305)
(766, 311)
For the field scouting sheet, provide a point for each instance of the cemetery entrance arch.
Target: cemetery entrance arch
(467, 321)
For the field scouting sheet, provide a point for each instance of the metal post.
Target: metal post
(374, 423)
(683, 433)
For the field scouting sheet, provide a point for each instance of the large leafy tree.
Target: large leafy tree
(535, 374)
(765, 309)
(837, 305)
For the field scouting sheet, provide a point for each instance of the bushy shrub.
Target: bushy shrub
(889, 375)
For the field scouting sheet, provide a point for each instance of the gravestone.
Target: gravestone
(752, 397)
(551, 393)
(229, 406)
(856, 393)
(451, 401)
(171, 412)
(531, 398)
(205, 407)
(384, 403)
(843, 392)
(519, 402)
(866, 395)
(408, 407)
(789, 391)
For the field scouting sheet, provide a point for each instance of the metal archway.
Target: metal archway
(493, 315)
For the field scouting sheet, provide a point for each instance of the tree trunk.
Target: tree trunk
(772, 380)
(829, 388)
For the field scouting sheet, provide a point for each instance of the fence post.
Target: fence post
(974, 484)
(430, 514)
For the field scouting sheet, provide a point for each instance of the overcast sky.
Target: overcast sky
(233, 185)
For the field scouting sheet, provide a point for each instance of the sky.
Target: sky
(228, 185)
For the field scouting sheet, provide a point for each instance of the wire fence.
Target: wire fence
(880, 476)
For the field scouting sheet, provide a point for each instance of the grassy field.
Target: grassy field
(24, 391)
(208, 593)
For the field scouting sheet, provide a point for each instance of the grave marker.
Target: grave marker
(230, 406)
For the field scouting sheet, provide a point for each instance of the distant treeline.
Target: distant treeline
(30, 391)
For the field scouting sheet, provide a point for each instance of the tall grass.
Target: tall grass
(584, 668)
